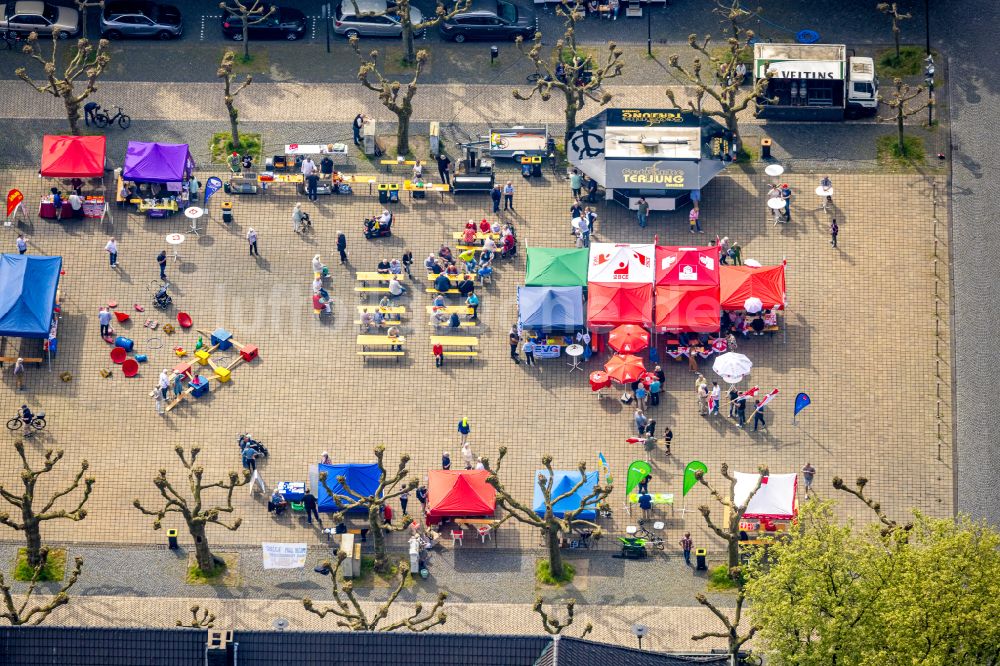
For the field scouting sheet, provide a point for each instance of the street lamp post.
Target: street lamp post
(929, 80)
(649, 30)
(927, 24)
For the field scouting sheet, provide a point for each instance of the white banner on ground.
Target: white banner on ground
(284, 555)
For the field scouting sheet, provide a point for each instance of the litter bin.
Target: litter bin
(383, 193)
(765, 149)
(700, 556)
(526, 167)
(172, 539)
(227, 212)
(393, 193)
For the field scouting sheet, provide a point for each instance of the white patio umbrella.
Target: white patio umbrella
(752, 262)
(732, 367)
(753, 305)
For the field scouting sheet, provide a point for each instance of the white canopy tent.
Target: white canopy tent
(776, 498)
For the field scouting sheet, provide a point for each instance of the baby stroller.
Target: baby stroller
(161, 299)
(376, 229)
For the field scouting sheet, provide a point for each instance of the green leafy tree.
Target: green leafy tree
(723, 82)
(194, 509)
(890, 10)
(350, 615)
(61, 74)
(20, 613)
(389, 487)
(729, 531)
(551, 525)
(251, 12)
(582, 78)
(35, 511)
(225, 72)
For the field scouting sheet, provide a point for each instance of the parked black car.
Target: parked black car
(491, 19)
(284, 23)
(140, 18)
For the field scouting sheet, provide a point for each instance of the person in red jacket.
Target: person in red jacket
(438, 355)
(387, 514)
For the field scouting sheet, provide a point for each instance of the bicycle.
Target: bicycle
(37, 422)
(103, 119)
(11, 40)
(652, 538)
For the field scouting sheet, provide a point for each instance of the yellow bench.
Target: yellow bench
(461, 354)
(454, 278)
(381, 354)
(385, 322)
(461, 324)
(480, 236)
(392, 309)
(432, 290)
(457, 309)
(377, 290)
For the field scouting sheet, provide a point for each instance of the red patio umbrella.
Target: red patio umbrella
(624, 369)
(628, 338)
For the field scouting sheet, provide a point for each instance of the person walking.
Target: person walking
(642, 211)
(834, 230)
(668, 437)
(640, 421)
(463, 429)
(342, 246)
(161, 259)
(18, 372)
(716, 397)
(298, 217)
(404, 499)
(445, 461)
(808, 473)
(686, 545)
(467, 456)
(421, 494)
(310, 503)
(158, 402)
(529, 352)
(576, 183)
(104, 319)
(723, 250)
(508, 196)
(758, 416)
(514, 339)
(786, 196)
(357, 126)
(21, 243)
(693, 221)
(496, 195)
(444, 167)
(112, 249)
(252, 240)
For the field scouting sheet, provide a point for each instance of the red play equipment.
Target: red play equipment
(121, 316)
(184, 319)
(118, 355)
(130, 368)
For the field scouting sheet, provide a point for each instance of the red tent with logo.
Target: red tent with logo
(687, 289)
(609, 305)
(73, 156)
(742, 282)
(458, 493)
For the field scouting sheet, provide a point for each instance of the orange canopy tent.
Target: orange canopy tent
(73, 156)
(739, 283)
(689, 309)
(459, 493)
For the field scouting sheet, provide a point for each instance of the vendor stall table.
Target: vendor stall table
(293, 491)
(47, 211)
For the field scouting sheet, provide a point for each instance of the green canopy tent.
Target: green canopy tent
(557, 267)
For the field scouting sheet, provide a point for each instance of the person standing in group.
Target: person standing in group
(104, 319)
(693, 221)
(575, 209)
(164, 383)
(591, 190)
(57, 202)
(702, 390)
(641, 393)
(161, 259)
(686, 545)
(655, 387)
(444, 165)
(724, 250)
(741, 412)
(716, 397)
(158, 402)
(445, 461)
(736, 253)
(463, 429)
(112, 249)
(576, 183)
(508, 196)
(310, 504)
(21, 243)
(640, 421)
(834, 230)
(421, 494)
(234, 162)
(76, 204)
(18, 372)
(326, 168)
(178, 385)
(529, 352)
(342, 246)
(642, 211)
(786, 196)
(308, 167)
(646, 504)
(758, 416)
(404, 499)
(808, 474)
(467, 456)
(515, 338)
(357, 126)
(496, 195)
(668, 437)
(733, 395)
(312, 186)
(252, 240)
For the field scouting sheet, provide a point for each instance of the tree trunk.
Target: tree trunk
(403, 131)
(555, 555)
(571, 109)
(378, 539)
(83, 21)
(895, 33)
(33, 536)
(234, 124)
(899, 122)
(72, 115)
(206, 561)
(733, 125)
(246, 40)
(734, 552)
(411, 54)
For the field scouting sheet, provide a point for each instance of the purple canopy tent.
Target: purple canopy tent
(157, 162)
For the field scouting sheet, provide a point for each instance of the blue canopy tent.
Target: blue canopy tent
(551, 309)
(28, 286)
(363, 479)
(563, 481)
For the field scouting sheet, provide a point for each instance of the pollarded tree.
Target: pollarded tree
(734, 639)
(389, 91)
(553, 625)
(892, 12)
(730, 532)
(568, 70)
(724, 81)
(26, 503)
(352, 616)
(197, 514)
(251, 12)
(201, 618)
(402, 9)
(389, 487)
(83, 6)
(551, 525)
(225, 73)
(61, 73)
(18, 614)
(899, 102)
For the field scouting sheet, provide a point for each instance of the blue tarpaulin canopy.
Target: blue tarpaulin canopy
(551, 309)
(28, 287)
(563, 481)
(363, 479)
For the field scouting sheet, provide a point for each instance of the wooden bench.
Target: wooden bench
(474, 248)
(770, 330)
(385, 322)
(449, 309)
(461, 324)
(432, 290)
(381, 354)
(13, 359)
(376, 290)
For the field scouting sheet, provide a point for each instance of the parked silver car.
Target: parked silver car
(370, 19)
(140, 18)
(26, 16)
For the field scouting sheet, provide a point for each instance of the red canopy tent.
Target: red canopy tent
(687, 266)
(609, 305)
(73, 156)
(458, 493)
(742, 282)
(687, 289)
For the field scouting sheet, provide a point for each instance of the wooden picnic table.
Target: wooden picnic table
(454, 278)
(480, 236)
(392, 309)
(454, 341)
(450, 309)
(380, 341)
(372, 276)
